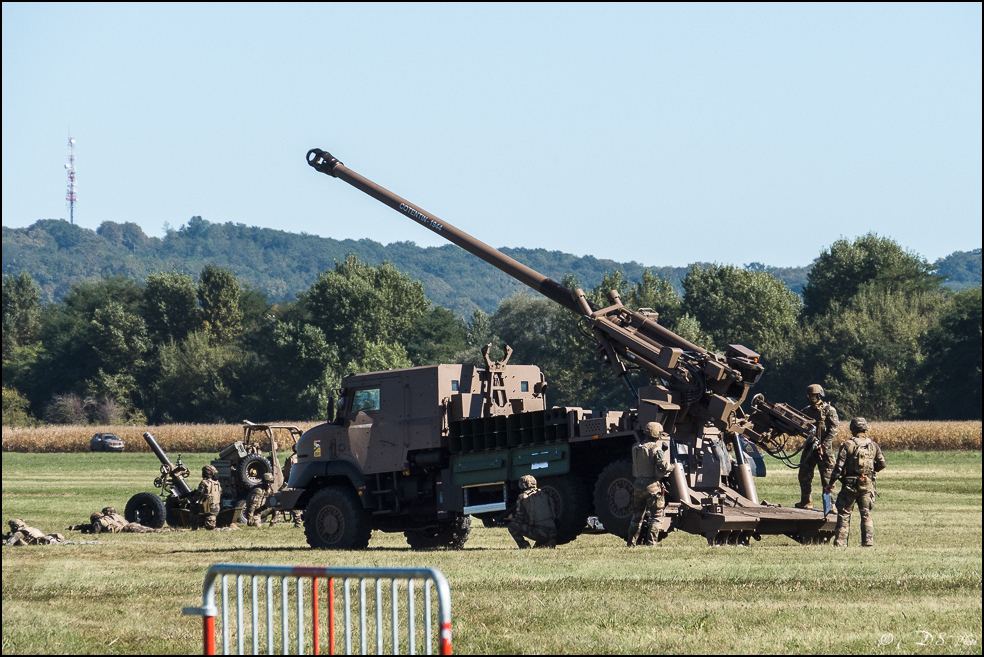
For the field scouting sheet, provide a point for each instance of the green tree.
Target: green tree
(171, 306)
(119, 339)
(438, 336)
(218, 297)
(738, 306)
(869, 355)
(21, 312)
(869, 262)
(191, 386)
(367, 312)
(953, 358)
(656, 292)
(16, 409)
(302, 370)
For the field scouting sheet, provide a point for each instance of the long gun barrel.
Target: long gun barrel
(325, 163)
(178, 482)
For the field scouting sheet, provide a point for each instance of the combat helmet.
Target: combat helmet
(859, 425)
(109, 511)
(815, 389)
(267, 477)
(527, 482)
(653, 430)
(95, 517)
(17, 525)
(209, 471)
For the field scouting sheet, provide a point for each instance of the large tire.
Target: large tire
(335, 520)
(146, 509)
(613, 497)
(251, 469)
(449, 535)
(572, 502)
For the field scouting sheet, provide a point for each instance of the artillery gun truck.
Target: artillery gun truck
(421, 450)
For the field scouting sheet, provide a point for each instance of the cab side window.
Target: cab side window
(365, 400)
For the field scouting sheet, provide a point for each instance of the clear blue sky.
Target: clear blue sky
(664, 134)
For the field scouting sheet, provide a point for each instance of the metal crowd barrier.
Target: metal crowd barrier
(370, 610)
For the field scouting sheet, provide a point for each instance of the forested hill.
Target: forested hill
(281, 264)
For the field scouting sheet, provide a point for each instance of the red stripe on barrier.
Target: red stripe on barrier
(314, 614)
(208, 625)
(331, 616)
(445, 648)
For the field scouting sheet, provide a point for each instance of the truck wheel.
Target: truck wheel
(335, 520)
(573, 504)
(451, 535)
(146, 509)
(251, 470)
(613, 497)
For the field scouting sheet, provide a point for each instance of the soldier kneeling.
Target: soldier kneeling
(257, 501)
(208, 498)
(534, 516)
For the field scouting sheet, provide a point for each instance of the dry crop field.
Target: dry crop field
(918, 591)
(189, 438)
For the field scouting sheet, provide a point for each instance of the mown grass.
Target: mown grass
(917, 435)
(592, 596)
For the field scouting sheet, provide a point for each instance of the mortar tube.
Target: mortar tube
(178, 482)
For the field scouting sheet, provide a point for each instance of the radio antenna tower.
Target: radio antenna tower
(71, 196)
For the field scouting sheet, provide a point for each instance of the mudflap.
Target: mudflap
(737, 525)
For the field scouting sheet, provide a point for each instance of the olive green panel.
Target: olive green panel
(540, 461)
(481, 468)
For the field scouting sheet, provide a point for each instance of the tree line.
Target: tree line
(875, 325)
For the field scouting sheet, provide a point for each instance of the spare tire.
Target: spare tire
(251, 469)
(146, 509)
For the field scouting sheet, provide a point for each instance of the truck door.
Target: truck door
(362, 413)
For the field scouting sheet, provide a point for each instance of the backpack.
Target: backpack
(861, 463)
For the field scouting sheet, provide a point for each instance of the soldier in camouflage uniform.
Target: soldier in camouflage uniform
(534, 516)
(857, 462)
(820, 455)
(257, 501)
(110, 522)
(208, 498)
(650, 465)
(289, 464)
(22, 534)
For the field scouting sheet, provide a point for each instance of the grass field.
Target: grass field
(592, 596)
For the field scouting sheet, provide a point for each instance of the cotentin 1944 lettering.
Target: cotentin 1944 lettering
(420, 216)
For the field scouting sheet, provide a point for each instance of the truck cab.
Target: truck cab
(383, 462)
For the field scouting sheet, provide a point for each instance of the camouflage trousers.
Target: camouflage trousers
(207, 520)
(22, 538)
(544, 536)
(807, 467)
(136, 528)
(846, 499)
(647, 497)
